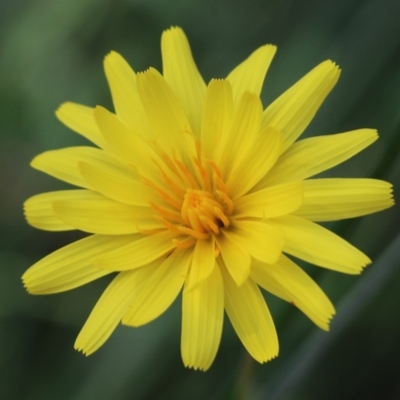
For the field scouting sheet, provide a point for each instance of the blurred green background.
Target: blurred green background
(52, 51)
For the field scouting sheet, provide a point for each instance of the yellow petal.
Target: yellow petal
(251, 319)
(334, 199)
(286, 278)
(202, 320)
(161, 286)
(255, 164)
(130, 147)
(166, 115)
(94, 213)
(272, 202)
(63, 163)
(116, 183)
(262, 240)
(250, 74)
(128, 106)
(39, 213)
(71, 266)
(244, 131)
(80, 119)
(311, 156)
(139, 252)
(317, 245)
(236, 258)
(291, 112)
(203, 262)
(108, 312)
(217, 118)
(182, 75)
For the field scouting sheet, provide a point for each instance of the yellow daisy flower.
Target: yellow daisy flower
(197, 187)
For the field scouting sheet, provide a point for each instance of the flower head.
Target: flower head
(197, 188)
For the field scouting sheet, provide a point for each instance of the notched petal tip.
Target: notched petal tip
(81, 349)
(147, 71)
(331, 64)
(197, 367)
(25, 282)
(270, 358)
(173, 29)
(329, 319)
(112, 54)
(114, 61)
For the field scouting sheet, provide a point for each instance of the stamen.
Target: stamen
(203, 174)
(144, 231)
(210, 224)
(170, 226)
(222, 217)
(215, 168)
(187, 174)
(198, 146)
(191, 232)
(180, 192)
(202, 204)
(209, 204)
(169, 162)
(175, 203)
(173, 216)
(184, 243)
(194, 220)
(228, 202)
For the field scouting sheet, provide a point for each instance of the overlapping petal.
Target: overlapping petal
(271, 202)
(262, 240)
(255, 164)
(161, 285)
(288, 281)
(291, 112)
(71, 266)
(202, 320)
(217, 118)
(108, 312)
(250, 317)
(39, 213)
(94, 213)
(317, 245)
(166, 115)
(182, 75)
(250, 74)
(80, 119)
(122, 82)
(125, 144)
(63, 164)
(116, 183)
(137, 253)
(334, 199)
(203, 262)
(236, 258)
(320, 154)
(245, 129)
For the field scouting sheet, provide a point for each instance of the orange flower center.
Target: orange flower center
(196, 204)
(202, 212)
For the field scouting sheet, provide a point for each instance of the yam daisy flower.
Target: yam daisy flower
(195, 187)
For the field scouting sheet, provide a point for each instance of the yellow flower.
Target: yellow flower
(195, 186)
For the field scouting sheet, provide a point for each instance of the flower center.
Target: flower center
(193, 204)
(203, 213)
